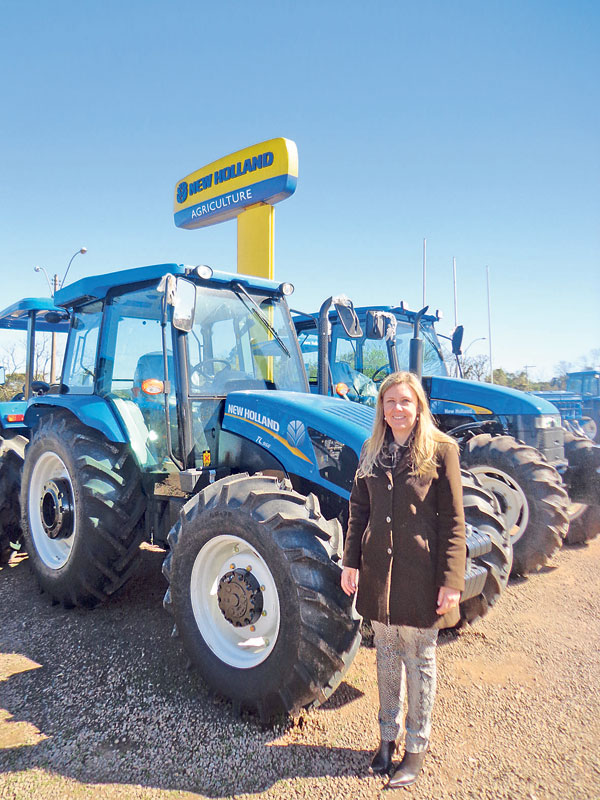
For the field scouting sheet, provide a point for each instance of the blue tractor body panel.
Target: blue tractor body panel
(281, 423)
(458, 396)
(93, 411)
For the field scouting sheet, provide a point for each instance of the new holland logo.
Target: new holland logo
(295, 432)
(182, 192)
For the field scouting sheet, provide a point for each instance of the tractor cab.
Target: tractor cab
(358, 364)
(164, 346)
(29, 329)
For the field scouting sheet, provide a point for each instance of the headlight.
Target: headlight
(547, 421)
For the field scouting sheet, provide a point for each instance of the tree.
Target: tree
(13, 358)
(475, 368)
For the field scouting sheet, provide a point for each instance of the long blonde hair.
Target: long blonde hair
(425, 439)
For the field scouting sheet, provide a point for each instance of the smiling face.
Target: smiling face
(400, 409)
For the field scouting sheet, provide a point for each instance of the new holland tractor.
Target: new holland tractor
(20, 324)
(512, 441)
(183, 417)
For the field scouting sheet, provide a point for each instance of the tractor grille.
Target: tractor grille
(354, 412)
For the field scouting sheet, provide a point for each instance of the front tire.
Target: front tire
(255, 593)
(482, 514)
(81, 500)
(532, 498)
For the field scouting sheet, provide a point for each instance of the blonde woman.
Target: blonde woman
(405, 556)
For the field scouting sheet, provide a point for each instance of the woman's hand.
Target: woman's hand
(447, 599)
(349, 580)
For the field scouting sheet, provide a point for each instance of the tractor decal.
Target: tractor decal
(472, 406)
(280, 439)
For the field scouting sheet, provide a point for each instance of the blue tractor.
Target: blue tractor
(183, 417)
(579, 403)
(23, 320)
(512, 441)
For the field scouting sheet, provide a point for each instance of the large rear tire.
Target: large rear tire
(81, 500)
(583, 456)
(254, 589)
(482, 513)
(532, 498)
(11, 464)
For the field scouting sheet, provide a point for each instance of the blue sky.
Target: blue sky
(473, 124)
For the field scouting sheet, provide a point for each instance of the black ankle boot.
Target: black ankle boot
(408, 770)
(382, 760)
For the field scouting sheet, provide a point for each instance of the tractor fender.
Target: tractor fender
(92, 411)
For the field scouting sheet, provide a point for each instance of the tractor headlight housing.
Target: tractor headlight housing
(204, 271)
(546, 421)
(286, 289)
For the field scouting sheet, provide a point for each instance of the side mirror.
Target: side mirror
(2, 376)
(348, 317)
(457, 339)
(184, 305)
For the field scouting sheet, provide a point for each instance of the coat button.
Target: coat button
(389, 551)
(388, 519)
(390, 486)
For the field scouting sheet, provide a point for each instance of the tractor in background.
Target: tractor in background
(579, 403)
(183, 417)
(512, 441)
(23, 320)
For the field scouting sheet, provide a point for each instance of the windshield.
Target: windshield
(372, 358)
(433, 359)
(231, 348)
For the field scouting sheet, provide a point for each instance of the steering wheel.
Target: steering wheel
(40, 387)
(37, 388)
(203, 368)
(377, 371)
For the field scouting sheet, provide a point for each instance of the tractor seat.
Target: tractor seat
(150, 365)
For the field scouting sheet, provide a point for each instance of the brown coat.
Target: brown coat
(406, 536)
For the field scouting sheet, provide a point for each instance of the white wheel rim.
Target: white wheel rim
(242, 647)
(53, 552)
(513, 503)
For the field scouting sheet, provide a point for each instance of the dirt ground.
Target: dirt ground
(99, 704)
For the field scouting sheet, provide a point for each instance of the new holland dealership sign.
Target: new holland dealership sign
(263, 173)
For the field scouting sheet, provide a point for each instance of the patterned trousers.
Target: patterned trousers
(406, 665)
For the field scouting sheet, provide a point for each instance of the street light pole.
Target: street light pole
(479, 339)
(82, 250)
(54, 286)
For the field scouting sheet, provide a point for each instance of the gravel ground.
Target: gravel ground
(100, 705)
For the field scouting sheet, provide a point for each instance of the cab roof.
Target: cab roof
(96, 287)
(48, 316)
(301, 318)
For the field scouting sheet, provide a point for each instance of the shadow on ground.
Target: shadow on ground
(104, 696)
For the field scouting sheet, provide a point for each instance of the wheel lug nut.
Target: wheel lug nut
(264, 613)
(262, 588)
(252, 628)
(249, 568)
(232, 566)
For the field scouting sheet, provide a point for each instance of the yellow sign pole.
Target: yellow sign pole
(246, 185)
(256, 241)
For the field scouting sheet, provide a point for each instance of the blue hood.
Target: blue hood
(450, 395)
(278, 421)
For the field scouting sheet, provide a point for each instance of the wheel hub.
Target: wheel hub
(240, 597)
(56, 509)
